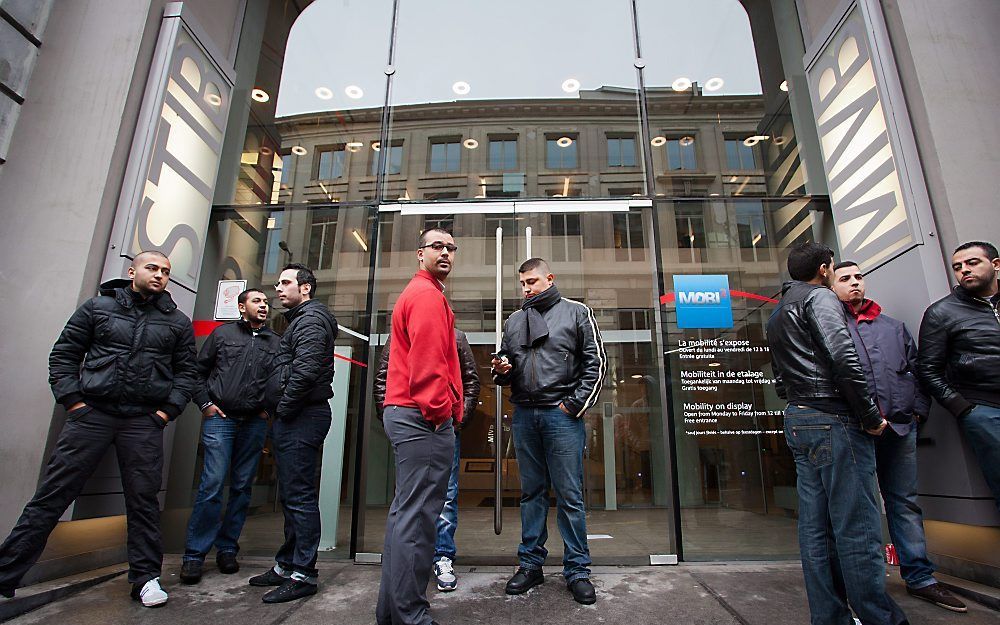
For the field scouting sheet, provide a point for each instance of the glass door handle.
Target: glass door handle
(498, 424)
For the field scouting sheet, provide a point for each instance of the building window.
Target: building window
(567, 243)
(330, 163)
(560, 153)
(681, 154)
(740, 156)
(393, 159)
(322, 235)
(629, 241)
(503, 154)
(489, 236)
(621, 151)
(752, 230)
(441, 195)
(446, 155)
(446, 222)
(386, 225)
(690, 221)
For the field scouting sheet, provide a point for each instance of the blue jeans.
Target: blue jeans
(447, 521)
(297, 443)
(839, 528)
(232, 450)
(549, 445)
(896, 464)
(982, 427)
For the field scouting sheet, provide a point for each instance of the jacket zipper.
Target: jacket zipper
(993, 309)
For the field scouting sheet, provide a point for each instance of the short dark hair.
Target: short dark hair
(422, 239)
(989, 248)
(135, 260)
(534, 263)
(845, 263)
(303, 275)
(245, 295)
(805, 259)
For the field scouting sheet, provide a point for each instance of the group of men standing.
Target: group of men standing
(856, 384)
(857, 388)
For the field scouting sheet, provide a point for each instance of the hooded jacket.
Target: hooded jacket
(889, 357)
(302, 371)
(125, 355)
(959, 357)
(813, 355)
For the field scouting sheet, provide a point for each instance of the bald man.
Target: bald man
(123, 368)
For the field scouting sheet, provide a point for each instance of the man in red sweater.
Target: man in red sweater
(423, 399)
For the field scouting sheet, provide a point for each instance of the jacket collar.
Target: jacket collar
(963, 294)
(426, 275)
(121, 290)
(869, 311)
(292, 313)
(243, 325)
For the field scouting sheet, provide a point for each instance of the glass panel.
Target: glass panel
(713, 81)
(515, 90)
(253, 244)
(734, 468)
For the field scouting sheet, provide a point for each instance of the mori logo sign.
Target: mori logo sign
(703, 301)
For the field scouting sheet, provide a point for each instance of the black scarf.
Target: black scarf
(533, 308)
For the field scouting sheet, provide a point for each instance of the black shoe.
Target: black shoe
(291, 590)
(524, 580)
(936, 594)
(270, 578)
(191, 571)
(226, 561)
(583, 591)
(8, 593)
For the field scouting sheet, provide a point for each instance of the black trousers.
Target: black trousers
(86, 437)
(297, 444)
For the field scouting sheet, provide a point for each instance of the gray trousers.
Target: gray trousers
(423, 465)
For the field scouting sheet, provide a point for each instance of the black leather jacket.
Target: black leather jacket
(470, 379)
(233, 366)
(959, 357)
(812, 352)
(302, 372)
(568, 367)
(137, 355)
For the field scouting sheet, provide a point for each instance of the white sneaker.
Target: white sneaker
(445, 574)
(151, 594)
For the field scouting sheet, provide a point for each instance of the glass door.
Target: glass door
(600, 252)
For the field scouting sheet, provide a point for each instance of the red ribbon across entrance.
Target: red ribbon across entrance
(204, 328)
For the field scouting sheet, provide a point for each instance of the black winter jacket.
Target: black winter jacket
(470, 378)
(959, 357)
(302, 373)
(125, 356)
(812, 353)
(233, 366)
(889, 357)
(568, 367)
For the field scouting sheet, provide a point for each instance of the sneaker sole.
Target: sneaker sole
(446, 588)
(152, 604)
(941, 605)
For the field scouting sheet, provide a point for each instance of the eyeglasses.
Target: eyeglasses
(437, 246)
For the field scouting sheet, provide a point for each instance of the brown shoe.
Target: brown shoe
(936, 594)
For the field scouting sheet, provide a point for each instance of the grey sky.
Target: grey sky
(511, 49)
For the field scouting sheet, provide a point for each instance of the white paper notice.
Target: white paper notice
(226, 304)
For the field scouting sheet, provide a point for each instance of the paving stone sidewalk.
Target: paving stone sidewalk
(734, 593)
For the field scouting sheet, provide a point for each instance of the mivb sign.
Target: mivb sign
(703, 301)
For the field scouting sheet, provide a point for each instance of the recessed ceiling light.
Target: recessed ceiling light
(354, 146)
(636, 376)
(714, 364)
(214, 99)
(713, 194)
(564, 142)
(714, 84)
(377, 146)
(461, 87)
(259, 95)
(324, 93)
(779, 140)
(266, 151)
(571, 85)
(298, 150)
(657, 141)
(686, 141)
(681, 84)
(784, 85)
(354, 92)
(472, 144)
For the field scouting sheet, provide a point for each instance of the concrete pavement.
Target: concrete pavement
(731, 593)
